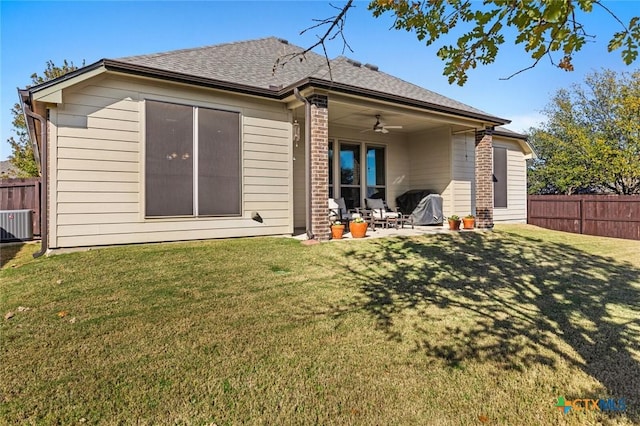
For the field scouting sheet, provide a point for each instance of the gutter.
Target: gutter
(44, 230)
(307, 156)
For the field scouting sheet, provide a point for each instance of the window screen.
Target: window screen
(499, 177)
(175, 184)
(169, 159)
(218, 162)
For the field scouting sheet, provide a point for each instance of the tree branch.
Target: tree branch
(336, 28)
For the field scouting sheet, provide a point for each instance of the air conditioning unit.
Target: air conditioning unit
(16, 225)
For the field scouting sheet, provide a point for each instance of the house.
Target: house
(211, 142)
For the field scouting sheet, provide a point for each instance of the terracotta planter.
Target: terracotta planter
(337, 231)
(454, 225)
(468, 223)
(358, 230)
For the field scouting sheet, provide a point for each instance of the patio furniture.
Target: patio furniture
(338, 211)
(381, 214)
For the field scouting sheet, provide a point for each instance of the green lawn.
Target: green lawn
(450, 329)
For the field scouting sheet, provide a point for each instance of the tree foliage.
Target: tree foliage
(544, 28)
(22, 152)
(591, 141)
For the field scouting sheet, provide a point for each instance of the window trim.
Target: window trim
(143, 152)
(364, 145)
(385, 186)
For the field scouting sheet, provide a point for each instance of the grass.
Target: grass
(451, 329)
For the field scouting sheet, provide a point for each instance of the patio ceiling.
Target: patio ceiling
(362, 116)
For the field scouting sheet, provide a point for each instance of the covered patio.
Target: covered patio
(363, 147)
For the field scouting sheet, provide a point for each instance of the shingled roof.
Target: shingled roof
(250, 63)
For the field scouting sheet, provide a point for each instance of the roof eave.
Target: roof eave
(382, 96)
(140, 70)
(523, 141)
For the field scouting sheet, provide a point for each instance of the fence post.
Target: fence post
(582, 215)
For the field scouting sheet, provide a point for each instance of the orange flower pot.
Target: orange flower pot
(337, 231)
(468, 223)
(358, 230)
(454, 225)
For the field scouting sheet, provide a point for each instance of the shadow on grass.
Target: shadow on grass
(514, 296)
(8, 251)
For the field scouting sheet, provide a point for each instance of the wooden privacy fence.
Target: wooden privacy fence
(615, 216)
(22, 194)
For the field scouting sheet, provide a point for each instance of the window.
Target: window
(331, 190)
(350, 174)
(192, 163)
(349, 163)
(500, 177)
(376, 187)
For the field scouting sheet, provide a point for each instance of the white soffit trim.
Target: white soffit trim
(53, 94)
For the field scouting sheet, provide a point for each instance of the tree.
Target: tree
(545, 29)
(22, 151)
(591, 140)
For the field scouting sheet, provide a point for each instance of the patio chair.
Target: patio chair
(380, 214)
(338, 211)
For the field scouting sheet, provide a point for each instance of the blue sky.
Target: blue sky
(35, 32)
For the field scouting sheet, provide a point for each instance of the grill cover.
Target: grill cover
(424, 206)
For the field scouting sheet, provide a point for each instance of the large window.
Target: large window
(356, 179)
(192, 161)
(350, 174)
(500, 177)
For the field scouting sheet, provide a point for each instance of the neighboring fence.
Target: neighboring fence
(22, 194)
(615, 216)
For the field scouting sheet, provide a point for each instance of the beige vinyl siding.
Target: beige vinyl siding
(97, 190)
(516, 210)
(464, 174)
(398, 170)
(430, 164)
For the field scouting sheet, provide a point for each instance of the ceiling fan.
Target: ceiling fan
(380, 127)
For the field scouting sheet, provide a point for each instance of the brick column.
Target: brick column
(484, 178)
(319, 166)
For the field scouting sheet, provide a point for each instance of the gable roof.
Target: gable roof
(248, 63)
(247, 67)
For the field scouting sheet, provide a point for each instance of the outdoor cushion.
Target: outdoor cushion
(375, 203)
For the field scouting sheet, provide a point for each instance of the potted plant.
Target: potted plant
(337, 229)
(454, 222)
(358, 227)
(469, 221)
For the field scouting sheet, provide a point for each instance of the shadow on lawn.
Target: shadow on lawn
(518, 297)
(8, 251)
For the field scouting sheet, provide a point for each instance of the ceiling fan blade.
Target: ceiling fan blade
(384, 130)
(393, 127)
(365, 130)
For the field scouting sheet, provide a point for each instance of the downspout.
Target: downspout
(307, 155)
(44, 230)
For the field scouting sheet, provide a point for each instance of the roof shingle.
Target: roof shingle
(250, 63)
